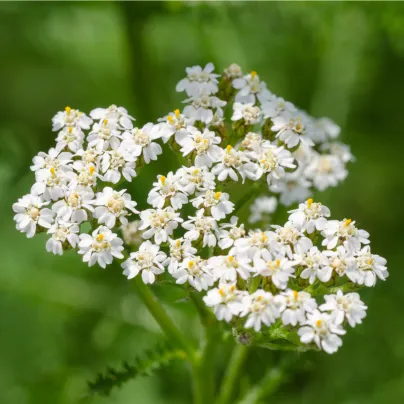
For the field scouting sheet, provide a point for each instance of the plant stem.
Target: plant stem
(240, 203)
(230, 380)
(162, 318)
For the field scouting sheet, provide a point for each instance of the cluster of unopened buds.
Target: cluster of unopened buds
(267, 282)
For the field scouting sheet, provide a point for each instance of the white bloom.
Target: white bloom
(297, 305)
(131, 234)
(71, 138)
(148, 260)
(226, 301)
(204, 145)
(233, 71)
(256, 242)
(291, 130)
(348, 306)
(315, 264)
(217, 202)
(74, 205)
(116, 163)
(261, 207)
(369, 267)
(341, 261)
(201, 225)
(54, 159)
(167, 189)
(230, 232)
(195, 271)
(112, 206)
(338, 149)
(278, 268)
(179, 249)
(321, 329)
(86, 174)
(117, 115)
(227, 268)
(324, 129)
(199, 80)
(30, 212)
(159, 223)
(203, 107)
(250, 87)
(172, 123)
(248, 112)
(233, 161)
(273, 160)
(140, 142)
(102, 246)
(276, 106)
(193, 179)
(310, 216)
(252, 142)
(262, 308)
(63, 234)
(326, 170)
(104, 136)
(70, 117)
(344, 232)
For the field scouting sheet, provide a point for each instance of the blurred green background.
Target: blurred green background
(62, 322)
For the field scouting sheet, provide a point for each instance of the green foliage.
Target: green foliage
(144, 365)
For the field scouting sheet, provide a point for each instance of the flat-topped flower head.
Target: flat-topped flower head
(100, 247)
(199, 80)
(30, 213)
(148, 260)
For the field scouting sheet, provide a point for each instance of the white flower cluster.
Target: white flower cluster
(251, 279)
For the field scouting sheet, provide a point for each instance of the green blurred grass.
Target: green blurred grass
(61, 321)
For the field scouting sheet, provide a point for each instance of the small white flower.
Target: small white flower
(217, 202)
(195, 271)
(71, 117)
(321, 329)
(179, 249)
(310, 216)
(160, 223)
(148, 260)
(167, 189)
(261, 208)
(71, 138)
(262, 308)
(248, 112)
(201, 226)
(369, 267)
(291, 130)
(278, 268)
(256, 242)
(344, 232)
(250, 87)
(116, 163)
(117, 115)
(199, 80)
(104, 136)
(112, 206)
(324, 129)
(63, 233)
(74, 205)
(276, 106)
(193, 179)
(102, 246)
(252, 142)
(226, 301)
(348, 306)
(233, 161)
(172, 123)
(203, 107)
(141, 142)
(326, 170)
(30, 213)
(341, 261)
(203, 144)
(54, 159)
(131, 234)
(230, 232)
(227, 268)
(297, 305)
(86, 174)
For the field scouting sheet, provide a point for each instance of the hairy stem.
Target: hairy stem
(230, 380)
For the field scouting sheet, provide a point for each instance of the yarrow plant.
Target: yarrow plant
(291, 286)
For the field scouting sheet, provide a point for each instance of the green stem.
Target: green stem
(240, 203)
(162, 318)
(231, 377)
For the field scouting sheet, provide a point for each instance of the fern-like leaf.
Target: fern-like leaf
(143, 365)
